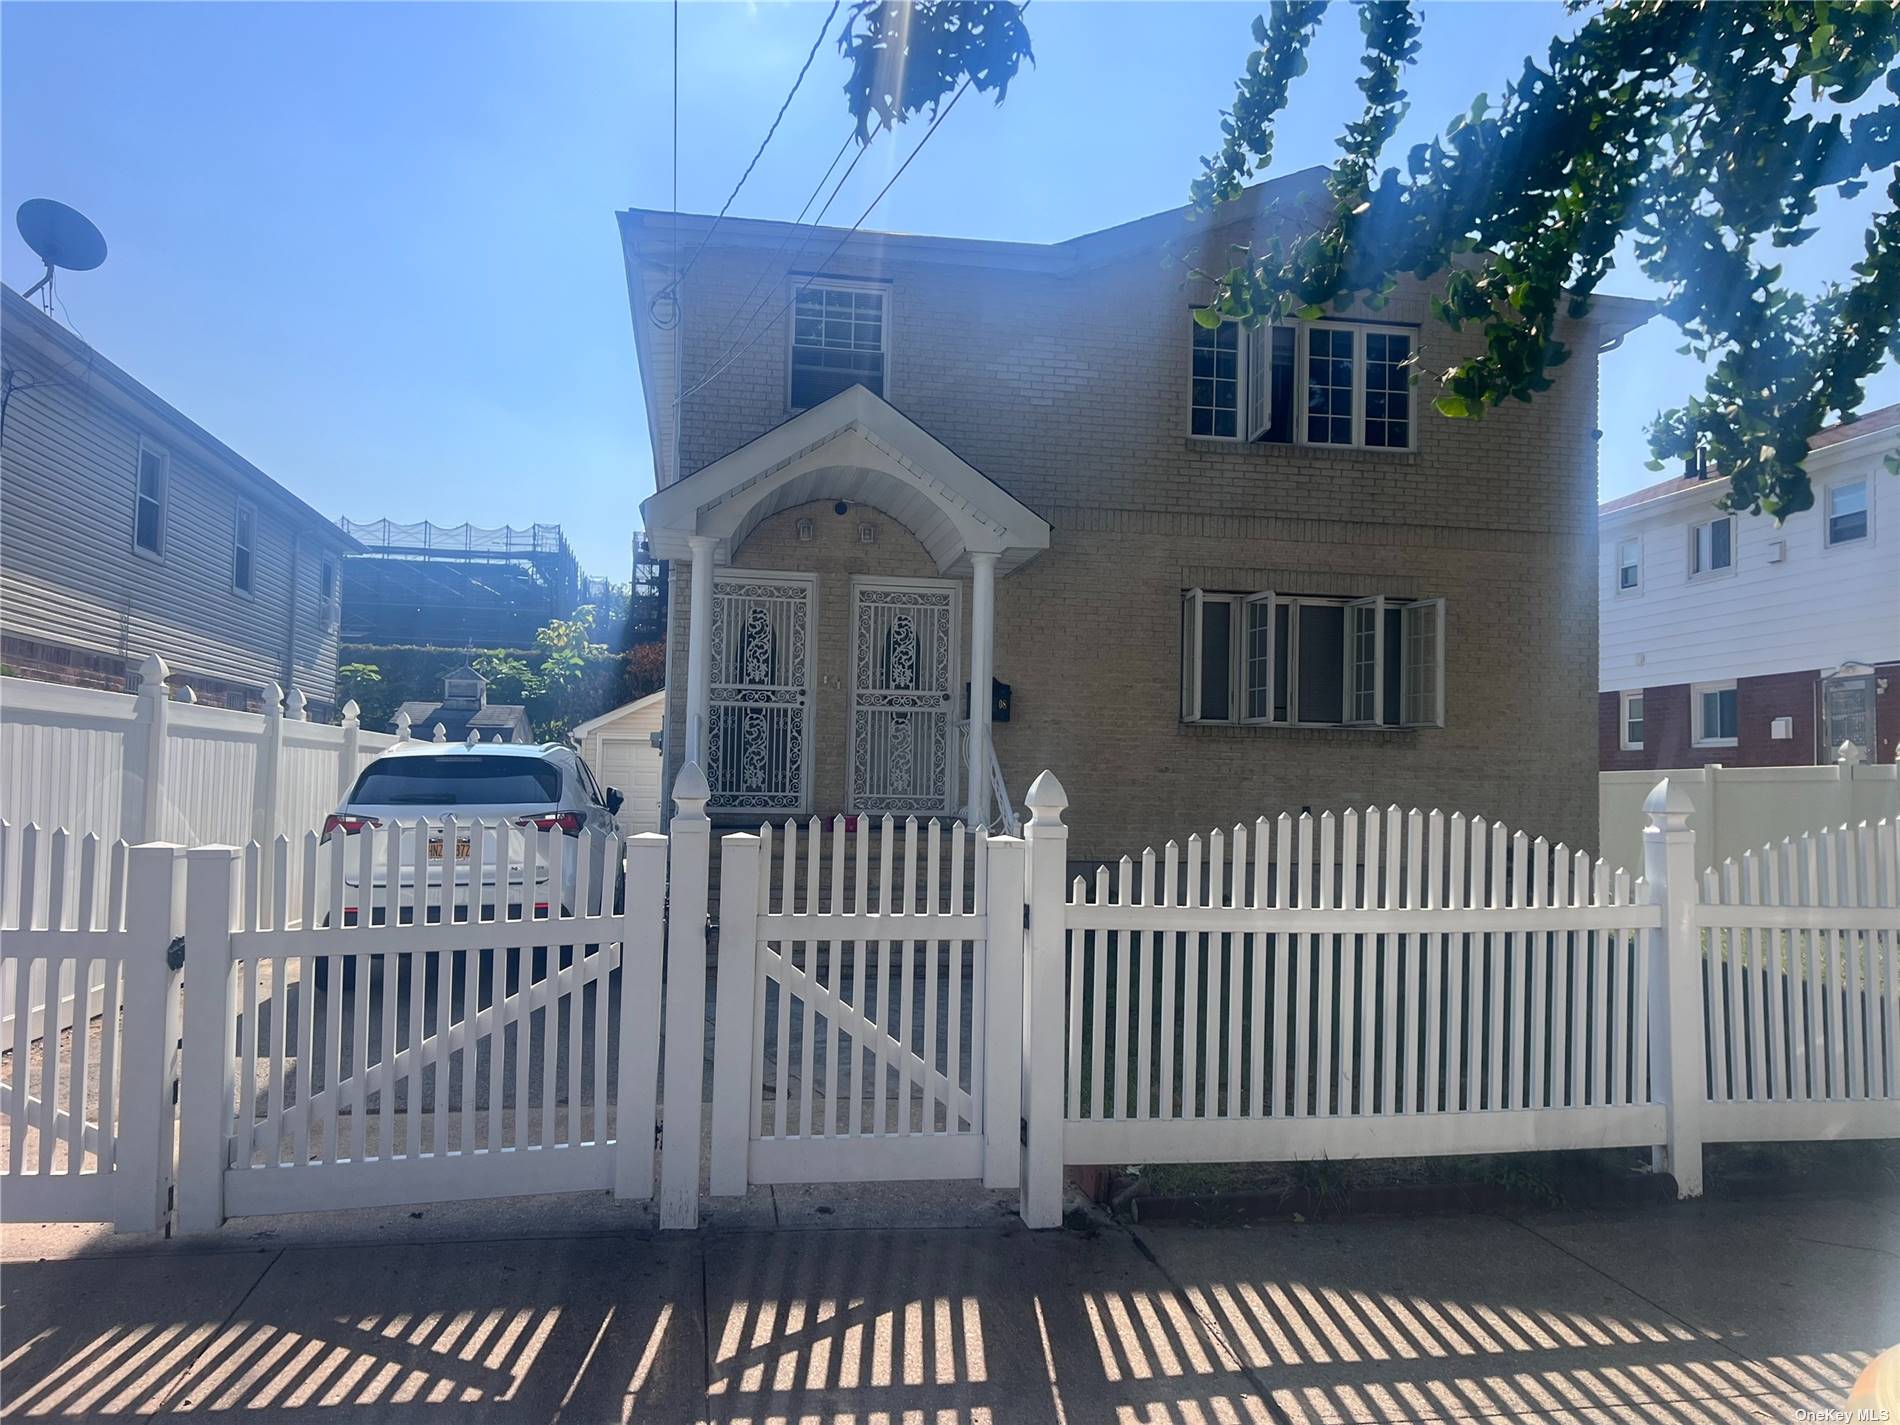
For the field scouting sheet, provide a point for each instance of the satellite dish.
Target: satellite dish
(61, 236)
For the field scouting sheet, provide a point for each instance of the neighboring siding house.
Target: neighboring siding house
(465, 709)
(126, 530)
(942, 461)
(1731, 639)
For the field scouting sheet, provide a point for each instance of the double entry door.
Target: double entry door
(900, 662)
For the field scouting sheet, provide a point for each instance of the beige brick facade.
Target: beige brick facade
(1067, 384)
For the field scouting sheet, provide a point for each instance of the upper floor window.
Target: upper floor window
(1717, 714)
(1313, 383)
(148, 512)
(1629, 566)
(243, 545)
(1241, 385)
(1309, 660)
(1712, 546)
(1847, 511)
(838, 341)
(331, 601)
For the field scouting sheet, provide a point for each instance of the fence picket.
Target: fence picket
(1432, 951)
(954, 1015)
(1151, 956)
(814, 850)
(1322, 947)
(1302, 956)
(1236, 946)
(1170, 940)
(1855, 1039)
(1367, 896)
(1192, 1009)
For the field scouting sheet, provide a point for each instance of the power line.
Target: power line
(726, 207)
(720, 367)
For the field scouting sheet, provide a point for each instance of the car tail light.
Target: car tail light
(348, 825)
(564, 821)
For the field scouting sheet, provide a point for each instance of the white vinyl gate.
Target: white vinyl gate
(418, 1047)
(869, 1006)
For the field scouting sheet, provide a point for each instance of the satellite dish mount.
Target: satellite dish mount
(61, 237)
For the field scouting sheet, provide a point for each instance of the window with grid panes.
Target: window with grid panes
(838, 341)
(1388, 390)
(1216, 384)
(1329, 386)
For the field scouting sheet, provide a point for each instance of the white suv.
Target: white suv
(492, 791)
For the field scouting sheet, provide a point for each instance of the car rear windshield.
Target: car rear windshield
(459, 781)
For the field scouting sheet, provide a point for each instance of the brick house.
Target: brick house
(1734, 640)
(1206, 574)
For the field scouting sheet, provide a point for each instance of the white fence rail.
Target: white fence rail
(1801, 946)
(1741, 809)
(149, 767)
(913, 1001)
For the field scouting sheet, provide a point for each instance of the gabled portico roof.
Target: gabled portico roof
(859, 448)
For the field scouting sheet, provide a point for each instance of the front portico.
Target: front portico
(805, 649)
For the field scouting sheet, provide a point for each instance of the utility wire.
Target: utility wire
(720, 367)
(726, 207)
(759, 281)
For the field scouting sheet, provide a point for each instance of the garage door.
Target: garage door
(632, 765)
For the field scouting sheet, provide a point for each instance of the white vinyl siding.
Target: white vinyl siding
(1312, 661)
(840, 339)
(70, 574)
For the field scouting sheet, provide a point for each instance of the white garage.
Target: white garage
(618, 745)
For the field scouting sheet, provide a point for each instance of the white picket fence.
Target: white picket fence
(915, 1001)
(150, 767)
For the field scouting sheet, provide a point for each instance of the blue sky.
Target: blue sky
(372, 247)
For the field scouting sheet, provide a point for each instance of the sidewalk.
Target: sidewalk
(932, 1304)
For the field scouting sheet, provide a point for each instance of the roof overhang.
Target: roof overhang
(594, 724)
(855, 447)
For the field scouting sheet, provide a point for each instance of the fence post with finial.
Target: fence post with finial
(142, 782)
(402, 723)
(1676, 1032)
(441, 734)
(690, 850)
(351, 752)
(270, 758)
(1045, 967)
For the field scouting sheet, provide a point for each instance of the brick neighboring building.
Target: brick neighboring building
(1733, 640)
(1046, 427)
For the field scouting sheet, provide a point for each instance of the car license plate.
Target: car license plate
(461, 848)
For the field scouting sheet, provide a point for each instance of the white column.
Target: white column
(982, 662)
(699, 646)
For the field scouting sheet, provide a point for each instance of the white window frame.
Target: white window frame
(1623, 738)
(1696, 693)
(1359, 331)
(332, 603)
(1617, 567)
(832, 284)
(1828, 540)
(1433, 609)
(1254, 346)
(1695, 548)
(247, 547)
(1268, 604)
(163, 499)
(1349, 685)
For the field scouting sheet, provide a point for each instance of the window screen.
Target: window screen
(1322, 662)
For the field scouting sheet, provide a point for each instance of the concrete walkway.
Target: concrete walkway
(931, 1304)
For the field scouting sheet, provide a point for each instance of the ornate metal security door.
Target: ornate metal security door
(903, 689)
(758, 741)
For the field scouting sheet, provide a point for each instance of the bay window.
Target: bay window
(1302, 660)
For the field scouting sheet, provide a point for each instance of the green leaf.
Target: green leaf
(1208, 317)
(1457, 407)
